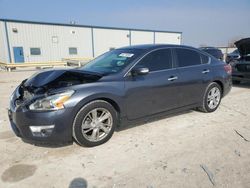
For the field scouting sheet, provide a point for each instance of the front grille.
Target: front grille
(243, 68)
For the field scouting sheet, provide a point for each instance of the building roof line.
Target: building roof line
(86, 26)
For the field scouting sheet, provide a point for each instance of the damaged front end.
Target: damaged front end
(48, 82)
(54, 79)
(37, 106)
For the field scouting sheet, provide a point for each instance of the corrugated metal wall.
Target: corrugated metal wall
(167, 38)
(3, 44)
(106, 39)
(55, 40)
(142, 37)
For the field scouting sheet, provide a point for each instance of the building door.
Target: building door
(18, 54)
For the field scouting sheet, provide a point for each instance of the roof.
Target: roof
(79, 25)
(153, 46)
(208, 48)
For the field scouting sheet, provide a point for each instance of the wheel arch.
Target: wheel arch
(111, 101)
(115, 101)
(220, 83)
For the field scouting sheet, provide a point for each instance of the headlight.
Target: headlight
(52, 102)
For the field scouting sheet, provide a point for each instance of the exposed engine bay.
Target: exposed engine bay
(42, 82)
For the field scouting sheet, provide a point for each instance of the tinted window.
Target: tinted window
(204, 59)
(187, 57)
(72, 51)
(157, 60)
(35, 51)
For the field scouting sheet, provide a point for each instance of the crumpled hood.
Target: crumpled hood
(243, 46)
(44, 78)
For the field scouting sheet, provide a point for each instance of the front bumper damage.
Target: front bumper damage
(48, 127)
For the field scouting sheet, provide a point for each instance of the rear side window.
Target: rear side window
(186, 57)
(204, 59)
(157, 60)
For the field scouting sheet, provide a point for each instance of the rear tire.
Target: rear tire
(211, 98)
(95, 123)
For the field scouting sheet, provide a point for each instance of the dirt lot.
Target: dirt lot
(191, 149)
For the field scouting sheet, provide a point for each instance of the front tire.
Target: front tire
(212, 98)
(95, 123)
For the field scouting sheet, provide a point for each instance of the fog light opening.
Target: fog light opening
(42, 131)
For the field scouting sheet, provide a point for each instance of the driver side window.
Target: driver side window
(157, 60)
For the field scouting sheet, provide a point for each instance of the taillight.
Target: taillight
(228, 68)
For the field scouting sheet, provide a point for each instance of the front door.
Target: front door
(156, 91)
(18, 54)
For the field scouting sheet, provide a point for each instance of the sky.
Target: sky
(211, 22)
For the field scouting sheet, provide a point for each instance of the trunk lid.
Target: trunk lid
(243, 46)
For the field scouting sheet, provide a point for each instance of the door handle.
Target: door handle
(172, 78)
(205, 71)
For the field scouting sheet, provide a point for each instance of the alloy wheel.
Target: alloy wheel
(213, 98)
(97, 124)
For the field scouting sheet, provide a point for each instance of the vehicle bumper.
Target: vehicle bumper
(227, 85)
(53, 127)
(240, 76)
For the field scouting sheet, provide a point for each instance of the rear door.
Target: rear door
(193, 70)
(156, 91)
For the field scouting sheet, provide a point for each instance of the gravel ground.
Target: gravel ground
(190, 149)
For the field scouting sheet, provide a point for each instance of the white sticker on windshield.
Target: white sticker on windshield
(126, 55)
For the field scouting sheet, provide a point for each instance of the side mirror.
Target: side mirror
(139, 71)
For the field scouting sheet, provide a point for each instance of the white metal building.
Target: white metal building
(26, 41)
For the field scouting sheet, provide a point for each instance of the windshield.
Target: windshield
(113, 61)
